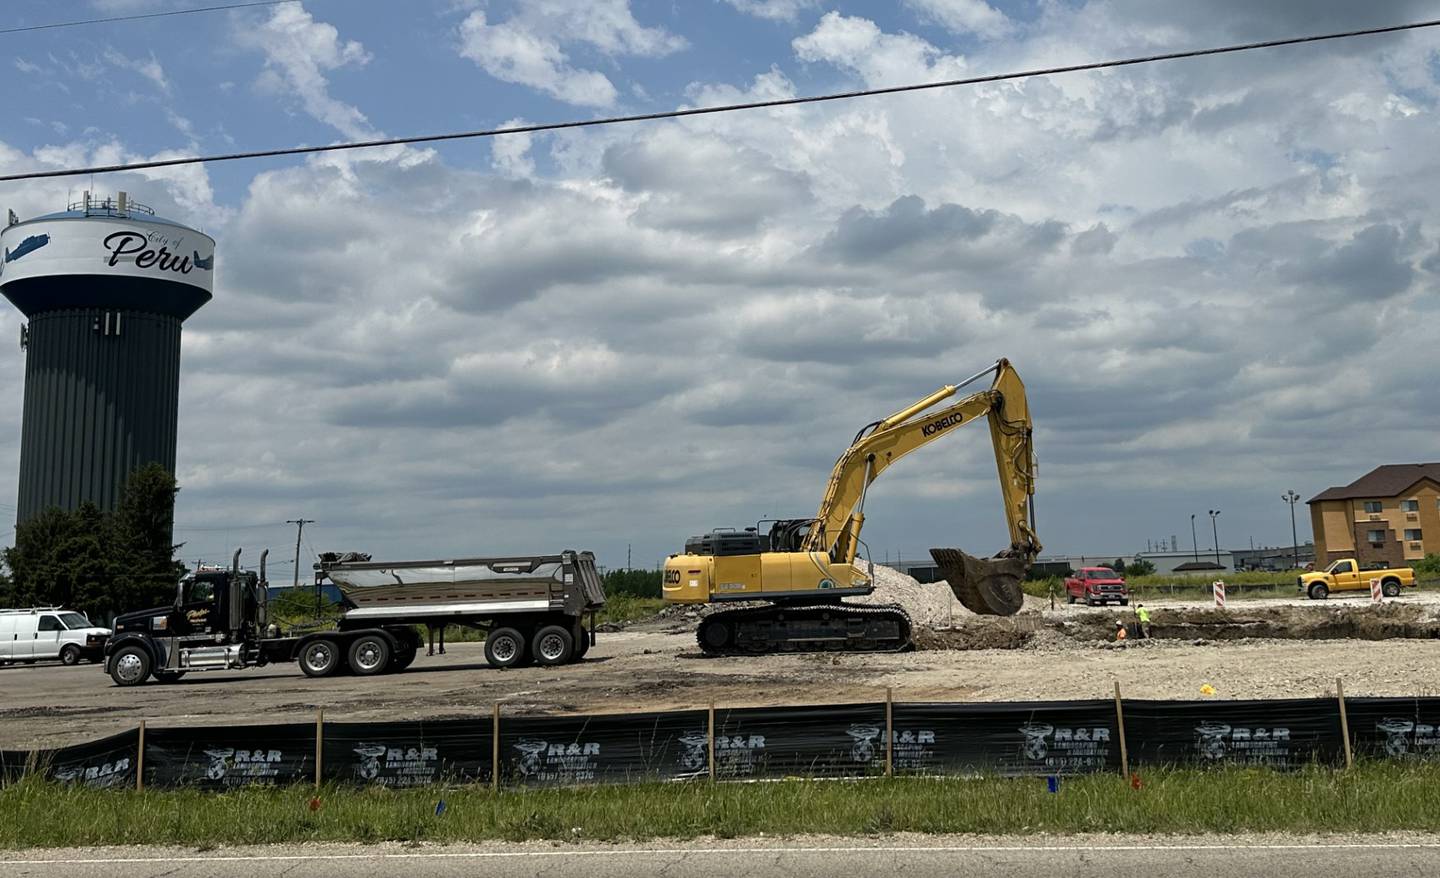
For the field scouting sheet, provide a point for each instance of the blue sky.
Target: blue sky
(628, 335)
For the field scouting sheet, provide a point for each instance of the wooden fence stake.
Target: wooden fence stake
(140, 760)
(889, 733)
(711, 735)
(319, 743)
(1344, 722)
(495, 750)
(1120, 727)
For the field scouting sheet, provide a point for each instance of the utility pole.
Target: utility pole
(1291, 497)
(299, 529)
(1215, 513)
(1194, 544)
(627, 556)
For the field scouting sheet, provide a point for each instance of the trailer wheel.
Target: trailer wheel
(369, 654)
(552, 645)
(130, 666)
(504, 648)
(320, 658)
(403, 658)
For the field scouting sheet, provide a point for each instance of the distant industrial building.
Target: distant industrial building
(1275, 557)
(105, 285)
(1382, 518)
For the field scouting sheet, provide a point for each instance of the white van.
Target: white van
(47, 634)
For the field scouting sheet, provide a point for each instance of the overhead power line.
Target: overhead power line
(85, 21)
(724, 108)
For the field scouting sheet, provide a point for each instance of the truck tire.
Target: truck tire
(320, 658)
(552, 645)
(70, 654)
(1390, 588)
(582, 642)
(1069, 598)
(130, 665)
(1124, 602)
(370, 654)
(504, 648)
(403, 658)
(1319, 592)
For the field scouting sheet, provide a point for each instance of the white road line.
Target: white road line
(670, 852)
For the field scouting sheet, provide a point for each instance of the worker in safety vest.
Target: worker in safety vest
(1143, 615)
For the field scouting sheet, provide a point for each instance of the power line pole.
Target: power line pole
(299, 529)
(1216, 532)
(627, 556)
(1194, 543)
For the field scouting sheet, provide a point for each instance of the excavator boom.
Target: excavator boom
(988, 586)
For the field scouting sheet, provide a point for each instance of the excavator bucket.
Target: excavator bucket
(987, 586)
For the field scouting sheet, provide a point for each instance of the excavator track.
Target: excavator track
(781, 628)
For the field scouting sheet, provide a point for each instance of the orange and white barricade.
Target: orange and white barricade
(1377, 594)
(1218, 587)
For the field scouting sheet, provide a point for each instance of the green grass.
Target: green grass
(1371, 797)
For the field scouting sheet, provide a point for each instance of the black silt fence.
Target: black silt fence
(1282, 734)
(754, 743)
(1011, 739)
(407, 754)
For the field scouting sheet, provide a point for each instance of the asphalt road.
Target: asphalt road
(914, 857)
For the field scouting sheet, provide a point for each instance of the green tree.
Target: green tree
(140, 552)
(1141, 567)
(639, 583)
(97, 562)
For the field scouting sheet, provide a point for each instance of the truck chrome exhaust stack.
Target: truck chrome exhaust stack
(987, 586)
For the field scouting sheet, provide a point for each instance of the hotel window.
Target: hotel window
(1372, 505)
(1409, 505)
(1375, 536)
(1413, 534)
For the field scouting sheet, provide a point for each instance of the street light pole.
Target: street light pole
(1291, 497)
(1194, 543)
(1215, 513)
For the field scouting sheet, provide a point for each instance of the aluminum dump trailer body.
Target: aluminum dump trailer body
(567, 583)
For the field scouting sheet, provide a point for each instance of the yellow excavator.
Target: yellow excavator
(801, 569)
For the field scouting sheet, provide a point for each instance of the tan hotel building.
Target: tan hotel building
(1390, 516)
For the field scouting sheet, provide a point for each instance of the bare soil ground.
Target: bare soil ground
(1259, 648)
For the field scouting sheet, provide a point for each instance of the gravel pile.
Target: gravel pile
(930, 605)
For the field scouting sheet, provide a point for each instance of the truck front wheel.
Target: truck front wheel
(1319, 592)
(369, 654)
(320, 658)
(130, 666)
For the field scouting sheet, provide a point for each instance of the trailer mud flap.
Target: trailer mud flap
(987, 586)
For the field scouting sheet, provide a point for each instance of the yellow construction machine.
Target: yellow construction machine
(803, 568)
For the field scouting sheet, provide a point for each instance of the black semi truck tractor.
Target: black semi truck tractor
(532, 608)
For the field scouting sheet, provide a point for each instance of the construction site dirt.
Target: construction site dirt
(1258, 648)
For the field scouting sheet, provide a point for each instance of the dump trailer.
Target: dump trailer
(532, 608)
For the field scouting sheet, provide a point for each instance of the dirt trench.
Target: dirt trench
(1391, 621)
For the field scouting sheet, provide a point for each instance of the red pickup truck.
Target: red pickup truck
(1097, 585)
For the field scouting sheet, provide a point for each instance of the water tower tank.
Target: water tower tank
(105, 285)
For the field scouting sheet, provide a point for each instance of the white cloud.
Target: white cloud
(26, 66)
(299, 52)
(147, 67)
(532, 47)
(775, 10)
(636, 333)
(965, 16)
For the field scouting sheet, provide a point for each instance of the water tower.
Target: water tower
(105, 285)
